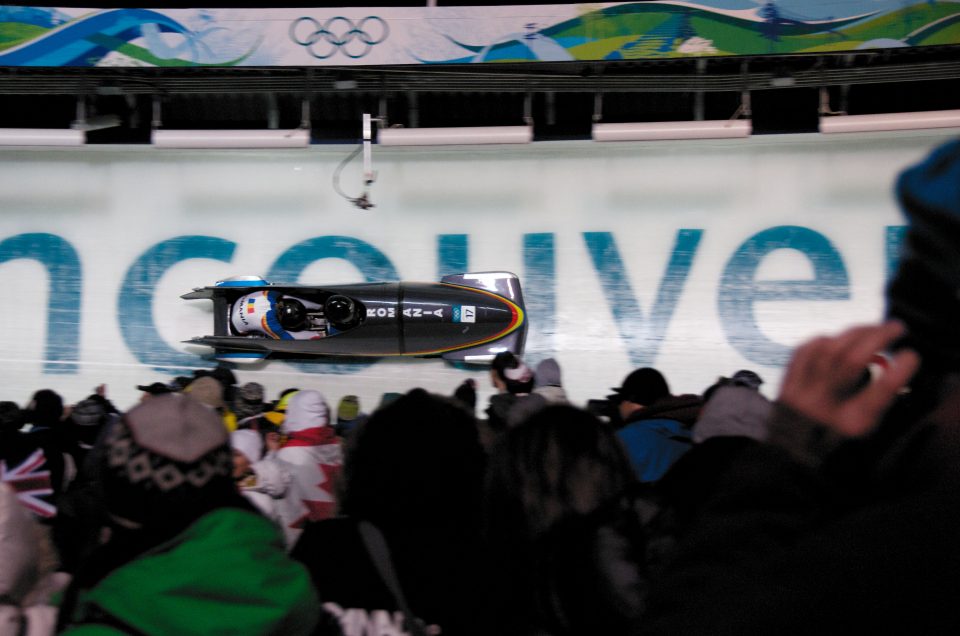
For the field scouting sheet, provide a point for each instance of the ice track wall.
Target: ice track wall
(698, 258)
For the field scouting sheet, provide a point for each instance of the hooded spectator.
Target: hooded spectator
(178, 524)
(249, 445)
(547, 382)
(282, 402)
(734, 408)
(311, 454)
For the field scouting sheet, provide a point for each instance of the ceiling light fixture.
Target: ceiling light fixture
(659, 130)
(42, 137)
(890, 121)
(466, 136)
(296, 138)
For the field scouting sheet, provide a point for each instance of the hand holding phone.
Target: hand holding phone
(824, 380)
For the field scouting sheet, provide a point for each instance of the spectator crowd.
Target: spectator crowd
(210, 508)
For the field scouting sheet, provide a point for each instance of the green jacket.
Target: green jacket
(228, 573)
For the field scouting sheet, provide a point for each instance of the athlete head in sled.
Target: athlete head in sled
(274, 315)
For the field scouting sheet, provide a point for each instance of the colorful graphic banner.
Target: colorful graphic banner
(70, 37)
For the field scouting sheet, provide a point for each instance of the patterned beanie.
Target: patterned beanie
(249, 400)
(167, 461)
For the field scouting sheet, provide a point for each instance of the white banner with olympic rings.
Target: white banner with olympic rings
(71, 37)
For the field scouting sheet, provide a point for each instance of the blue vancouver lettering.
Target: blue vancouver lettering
(452, 254)
(641, 331)
(540, 294)
(642, 336)
(739, 290)
(62, 348)
(135, 303)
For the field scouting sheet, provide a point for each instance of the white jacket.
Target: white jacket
(312, 456)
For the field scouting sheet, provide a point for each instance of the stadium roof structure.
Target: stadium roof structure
(561, 99)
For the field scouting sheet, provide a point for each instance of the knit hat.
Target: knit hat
(206, 390)
(249, 400)
(249, 443)
(166, 458)
(925, 292)
(251, 392)
(643, 386)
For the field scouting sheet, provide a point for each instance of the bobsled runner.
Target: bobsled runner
(464, 318)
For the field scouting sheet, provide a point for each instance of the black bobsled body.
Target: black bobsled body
(465, 317)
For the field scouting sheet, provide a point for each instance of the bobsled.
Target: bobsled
(464, 318)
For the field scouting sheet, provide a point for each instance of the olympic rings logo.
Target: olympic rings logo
(339, 34)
